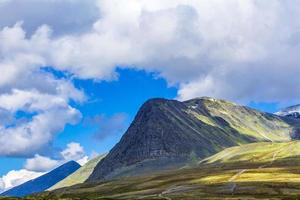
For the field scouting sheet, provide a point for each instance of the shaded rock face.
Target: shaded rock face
(147, 138)
(43, 182)
(166, 133)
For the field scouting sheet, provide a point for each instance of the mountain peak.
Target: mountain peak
(291, 111)
(70, 163)
(157, 102)
(209, 99)
(167, 133)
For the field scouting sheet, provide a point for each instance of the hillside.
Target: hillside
(198, 149)
(262, 170)
(43, 182)
(80, 175)
(258, 153)
(168, 134)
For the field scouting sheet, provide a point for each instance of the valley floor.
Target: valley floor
(254, 171)
(207, 182)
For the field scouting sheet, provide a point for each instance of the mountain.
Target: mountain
(43, 182)
(168, 134)
(203, 148)
(80, 175)
(292, 111)
(263, 170)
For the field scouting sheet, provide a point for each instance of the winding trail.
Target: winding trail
(161, 196)
(240, 172)
(174, 189)
(237, 175)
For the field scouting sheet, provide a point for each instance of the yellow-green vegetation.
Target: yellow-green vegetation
(255, 171)
(269, 174)
(196, 183)
(263, 126)
(258, 153)
(202, 118)
(80, 175)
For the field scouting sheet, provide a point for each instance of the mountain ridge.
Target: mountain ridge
(169, 133)
(291, 111)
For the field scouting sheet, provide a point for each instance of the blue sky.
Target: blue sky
(109, 56)
(124, 95)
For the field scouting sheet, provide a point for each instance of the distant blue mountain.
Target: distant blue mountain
(43, 182)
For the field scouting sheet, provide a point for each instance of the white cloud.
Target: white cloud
(74, 15)
(17, 177)
(23, 138)
(41, 163)
(233, 44)
(27, 88)
(242, 50)
(74, 151)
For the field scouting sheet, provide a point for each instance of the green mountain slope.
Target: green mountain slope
(168, 134)
(80, 175)
(247, 121)
(256, 153)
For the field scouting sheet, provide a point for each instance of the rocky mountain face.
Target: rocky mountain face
(168, 133)
(292, 111)
(43, 182)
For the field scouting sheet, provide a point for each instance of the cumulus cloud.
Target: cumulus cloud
(17, 177)
(240, 50)
(74, 151)
(75, 16)
(26, 87)
(50, 113)
(213, 48)
(39, 165)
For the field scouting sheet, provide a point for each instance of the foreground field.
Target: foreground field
(206, 182)
(254, 171)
